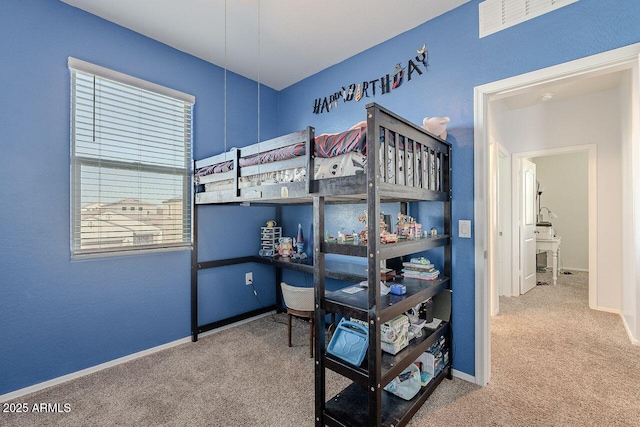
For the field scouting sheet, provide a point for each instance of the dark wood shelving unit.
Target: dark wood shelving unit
(391, 365)
(349, 407)
(364, 402)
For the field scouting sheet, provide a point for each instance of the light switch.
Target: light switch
(464, 228)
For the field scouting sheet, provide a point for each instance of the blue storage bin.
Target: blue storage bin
(349, 342)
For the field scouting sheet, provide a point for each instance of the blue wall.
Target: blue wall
(59, 316)
(459, 61)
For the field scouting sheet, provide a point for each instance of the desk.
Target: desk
(552, 245)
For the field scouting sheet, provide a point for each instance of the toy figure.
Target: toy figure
(300, 240)
(285, 247)
(298, 244)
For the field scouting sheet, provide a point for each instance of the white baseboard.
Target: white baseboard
(463, 376)
(609, 310)
(633, 339)
(78, 374)
(586, 270)
(91, 370)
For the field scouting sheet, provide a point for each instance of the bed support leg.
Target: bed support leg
(310, 146)
(235, 156)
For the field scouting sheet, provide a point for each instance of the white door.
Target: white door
(527, 226)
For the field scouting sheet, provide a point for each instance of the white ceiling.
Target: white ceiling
(563, 89)
(293, 39)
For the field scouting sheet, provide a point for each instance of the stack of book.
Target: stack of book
(420, 268)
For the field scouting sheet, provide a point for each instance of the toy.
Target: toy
(300, 239)
(436, 125)
(408, 228)
(398, 289)
(298, 242)
(385, 235)
(285, 247)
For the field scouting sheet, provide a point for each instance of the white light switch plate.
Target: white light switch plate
(464, 228)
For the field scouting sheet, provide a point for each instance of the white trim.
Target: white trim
(91, 370)
(515, 224)
(84, 372)
(504, 224)
(608, 310)
(463, 376)
(633, 340)
(584, 270)
(481, 216)
(87, 67)
(592, 185)
(606, 62)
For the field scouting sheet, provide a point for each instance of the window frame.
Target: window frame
(78, 161)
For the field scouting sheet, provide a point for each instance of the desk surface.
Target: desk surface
(333, 269)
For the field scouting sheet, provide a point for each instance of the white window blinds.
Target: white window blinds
(130, 163)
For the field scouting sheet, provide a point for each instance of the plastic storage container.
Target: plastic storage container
(349, 342)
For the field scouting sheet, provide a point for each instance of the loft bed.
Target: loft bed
(384, 159)
(410, 165)
(274, 172)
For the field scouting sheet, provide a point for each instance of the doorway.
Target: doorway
(598, 65)
(567, 199)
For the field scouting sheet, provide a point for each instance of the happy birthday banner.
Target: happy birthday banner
(386, 83)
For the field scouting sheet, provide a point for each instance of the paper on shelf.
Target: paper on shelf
(353, 289)
(434, 324)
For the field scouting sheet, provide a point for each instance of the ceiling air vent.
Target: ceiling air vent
(496, 15)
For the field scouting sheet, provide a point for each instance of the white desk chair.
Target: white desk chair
(299, 302)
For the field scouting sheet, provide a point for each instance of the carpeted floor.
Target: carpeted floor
(554, 363)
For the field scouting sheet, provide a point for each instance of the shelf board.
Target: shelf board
(387, 250)
(357, 305)
(350, 407)
(391, 364)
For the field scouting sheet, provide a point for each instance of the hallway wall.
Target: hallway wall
(565, 178)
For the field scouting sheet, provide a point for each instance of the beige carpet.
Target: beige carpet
(554, 363)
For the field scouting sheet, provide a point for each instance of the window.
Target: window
(130, 153)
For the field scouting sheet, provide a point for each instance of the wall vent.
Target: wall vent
(496, 15)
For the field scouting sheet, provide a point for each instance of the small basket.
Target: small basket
(349, 342)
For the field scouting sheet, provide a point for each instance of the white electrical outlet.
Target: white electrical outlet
(248, 278)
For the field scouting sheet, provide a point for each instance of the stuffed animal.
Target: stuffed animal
(436, 125)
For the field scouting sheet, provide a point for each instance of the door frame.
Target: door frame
(504, 224)
(614, 60)
(500, 199)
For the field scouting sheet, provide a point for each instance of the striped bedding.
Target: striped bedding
(326, 146)
(336, 146)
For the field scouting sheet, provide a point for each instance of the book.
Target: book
(421, 275)
(416, 266)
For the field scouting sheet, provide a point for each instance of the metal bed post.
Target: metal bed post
(194, 265)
